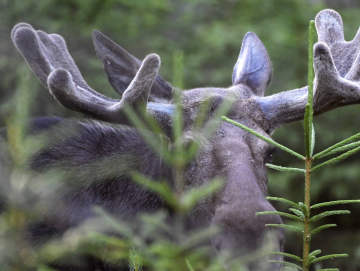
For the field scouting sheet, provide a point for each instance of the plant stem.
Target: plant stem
(308, 120)
(307, 236)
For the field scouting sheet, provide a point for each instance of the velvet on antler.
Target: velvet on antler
(48, 57)
(337, 74)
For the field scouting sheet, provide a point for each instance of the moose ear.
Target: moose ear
(121, 68)
(253, 67)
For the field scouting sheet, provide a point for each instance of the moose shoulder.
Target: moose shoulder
(97, 157)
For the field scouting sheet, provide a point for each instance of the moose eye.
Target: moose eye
(216, 101)
(269, 155)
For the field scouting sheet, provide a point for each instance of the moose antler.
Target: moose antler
(337, 75)
(121, 68)
(48, 57)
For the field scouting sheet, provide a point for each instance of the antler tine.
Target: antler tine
(16, 27)
(354, 72)
(337, 75)
(79, 99)
(121, 67)
(48, 57)
(331, 89)
(44, 53)
(336, 64)
(329, 26)
(26, 40)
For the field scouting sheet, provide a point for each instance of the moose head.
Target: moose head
(230, 153)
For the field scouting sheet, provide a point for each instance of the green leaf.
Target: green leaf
(210, 126)
(315, 253)
(307, 129)
(329, 213)
(304, 209)
(287, 227)
(45, 268)
(342, 149)
(329, 257)
(286, 201)
(286, 264)
(161, 188)
(178, 125)
(309, 135)
(323, 227)
(329, 203)
(103, 238)
(156, 220)
(135, 260)
(291, 256)
(279, 213)
(310, 260)
(194, 195)
(336, 159)
(153, 139)
(311, 74)
(298, 213)
(197, 237)
(329, 269)
(267, 140)
(177, 117)
(286, 169)
(115, 224)
(312, 140)
(189, 265)
(353, 138)
(178, 69)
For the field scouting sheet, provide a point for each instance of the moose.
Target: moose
(231, 154)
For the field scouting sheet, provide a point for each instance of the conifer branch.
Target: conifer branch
(135, 261)
(286, 169)
(315, 252)
(189, 265)
(336, 159)
(286, 201)
(288, 255)
(287, 264)
(329, 203)
(308, 148)
(341, 149)
(329, 213)
(298, 213)
(351, 139)
(286, 227)
(310, 260)
(312, 140)
(311, 72)
(307, 129)
(331, 256)
(279, 213)
(160, 188)
(323, 227)
(267, 140)
(308, 119)
(304, 209)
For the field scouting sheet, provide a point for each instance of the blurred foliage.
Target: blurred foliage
(209, 33)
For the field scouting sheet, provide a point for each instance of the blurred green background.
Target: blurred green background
(209, 32)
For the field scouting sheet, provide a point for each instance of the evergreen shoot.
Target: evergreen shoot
(302, 210)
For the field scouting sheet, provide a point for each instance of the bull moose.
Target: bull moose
(231, 154)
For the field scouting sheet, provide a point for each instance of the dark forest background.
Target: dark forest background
(209, 32)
